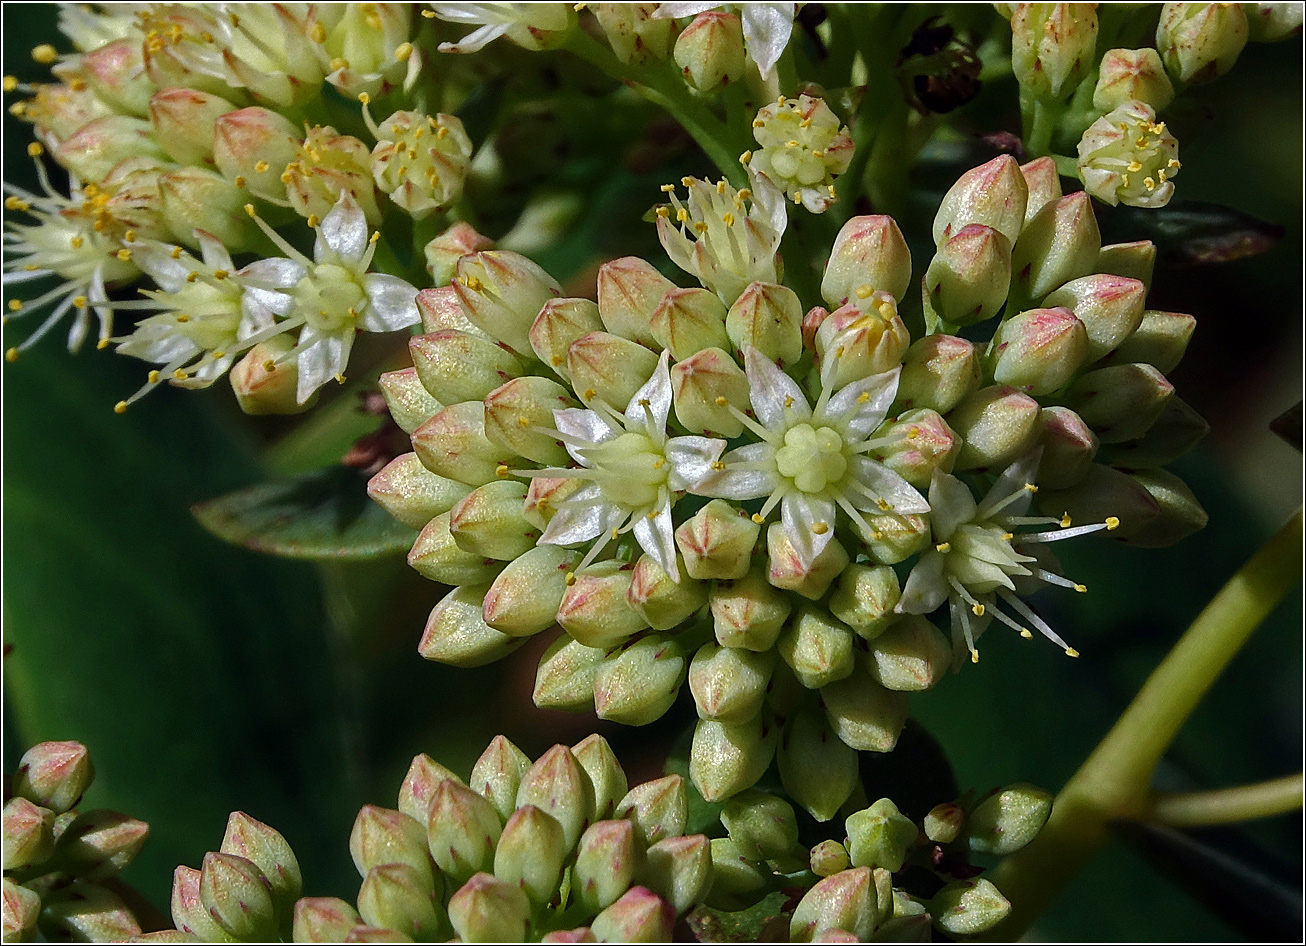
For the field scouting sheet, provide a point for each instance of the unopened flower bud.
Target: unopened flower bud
(1121, 402)
(997, 424)
(1007, 820)
(443, 252)
(559, 786)
(90, 913)
(530, 853)
(664, 603)
(323, 920)
(787, 570)
(519, 417)
(638, 683)
(762, 826)
(679, 870)
(436, 556)
(1128, 75)
(1176, 430)
(864, 715)
(726, 758)
(98, 844)
(633, 33)
(748, 612)
(937, 372)
(28, 833)
(1059, 244)
(687, 321)
(399, 897)
(189, 914)
(237, 895)
(253, 146)
(710, 51)
(417, 791)
(1103, 493)
(453, 444)
(497, 774)
(564, 679)
(768, 317)
(462, 830)
(1270, 22)
(863, 338)
(502, 293)
(1044, 184)
(705, 387)
(659, 809)
(582, 934)
(608, 857)
(1127, 157)
(115, 72)
(199, 199)
(729, 683)
(994, 194)
(608, 367)
(411, 493)
(456, 366)
(880, 836)
(421, 176)
(817, 647)
(869, 251)
(606, 775)
(717, 541)
(818, 770)
(944, 822)
(594, 609)
(54, 775)
(911, 655)
(1052, 46)
(441, 309)
(829, 858)
(524, 598)
(802, 148)
(489, 910)
(1159, 340)
(96, 148)
(1038, 351)
(560, 323)
(629, 292)
(488, 521)
(1068, 448)
(893, 538)
(1132, 260)
(1110, 307)
(865, 597)
(383, 836)
(968, 907)
(733, 874)
(843, 901)
(1200, 41)
(924, 443)
(456, 633)
(183, 123)
(969, 276)
(640, 916)
(1179, 512)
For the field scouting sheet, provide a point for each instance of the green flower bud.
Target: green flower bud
(1269, 22)
(458, 366)
(924, 443)
(762, 826)
(524, 599)
(116, 75)
(937, 372)
(659, 809)
(729, 683)
(817, 769)
(843, 901)
(411, 493)
(564, 679)
(1059, 244)
(323, 920)
(717, 541)
(994, 195)
(862, 340)
(710, 51)
(384, 836)
(638, 683)
(632, 32)
(100, 145)
(189, 914)
(893, 538)
(254, 145)
(608, 857)
(560, 323)
(911, 655)
(582, 934)
(21, 907)
(1039, 350)
(865, 597)
(1103, 493)
(1068, 448)
(734, 874)
(1007, 820)
(726, 758)
(705, 387)
(1127, 157)
(410, 404)
(488, 521)
(28, 833)
(1132, 260)
(640, 916)
(818, 648)
(453, 444)
(1176, 430)
(687, 321)
(594, 609)
(238, 897)
(456, 633)
(880, 836)
(1111, 308)
(788, 571)
(679, 870)
(829, 858)
(605, 772)
(1200, 41)
(969, 276)
(1120, 402)
(869, 254)
(502, 293)
(441, 311)
(54, 775)
(263, 387)
(968, 907)
(363, 933)
(443, 252)
(770, 318)
(531, 853)
(400, 898)
(629, 291)
(664, 603)
(434, 555)
(1052, 46)
(749, 612)
(1043, 182)
(196, 198)
(864, 715)
(944, 822)
(1179, 516)
(608, 367)
(997, 424)
(558, 785)
(1132, 75)
(90, 914)
(462, 830)
(497, 774)
(489, 910)
(544, 495)
(417, 791)
(183, 122)
(1160, 341)
(98, 844)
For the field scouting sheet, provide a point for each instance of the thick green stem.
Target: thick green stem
(1113, 782)
(1227, 805)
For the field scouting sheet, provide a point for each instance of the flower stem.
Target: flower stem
(1227, 805)
(1113, 782)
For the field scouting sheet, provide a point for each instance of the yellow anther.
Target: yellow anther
(430, 15)
(1030, 487)
(318, 33)
(340, 379)
(16, 203)
(789, 401)
(34, 150)
(501, 470)
(102, 344)
(757, 518)
(1071, 652)
(286, 176)
(682, 215)
(240, 181)
(10, 83)
(249, 209)
(781, 100)
(758, 123)
(686, 181)
(728, 219)
(15, 305)
(700, 227)
(192, 276)
(616, 533)
(722, 401)
(45, 54)
(313, 220)
(571, 576)
(943, 547)
(1082, 589)
(1173, 163)
(11, 355)
(745, 158)
(364, 98)
(883, 504)
(76, 242)
(1065, 520)
(717, 465)
(974, 656)
(863, 397)
(877, 535)
(1027, 633)
(557, 360)
(1112, 523)
(153, 377)
(590, 394)
(220, 274)
(865, 292)
(743, 194)
(820, 528)
(120, 407)
(1149, 183)
(80, 302)
(668, 188)
(129, 236)
(818, 154)
(793, 144)
(269, 366)
(977, 609)
(403, 51)
(1008, 536)
(1135, 166)
(124, 254)
(180, 375)
(720, 187)
(183, 319)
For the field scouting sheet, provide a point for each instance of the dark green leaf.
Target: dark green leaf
(742, 926)
(1193, 233)
(321, 515)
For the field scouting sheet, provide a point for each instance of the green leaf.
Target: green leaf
(1193, 233)
(323, 515)
(753, 925)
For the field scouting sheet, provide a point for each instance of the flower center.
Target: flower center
(632, 470)
(812, 457)
(329, 298)
(981, 558)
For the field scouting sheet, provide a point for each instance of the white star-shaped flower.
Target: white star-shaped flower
(767, 26)
(529, 25)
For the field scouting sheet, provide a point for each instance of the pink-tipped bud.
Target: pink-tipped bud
(659, 809)
(524, 598)
(664, 603)
(384, 836)
(763, 826)
(1044, 184)
(457, 635)
(254, 145)
(489, 910)
(411, 493)
(594, 609)
(443, 252)
(237, 896)
(1110, 308)
(606, 775)
(453, 444)
(457, 366)
(633, 33)
(924, 443)
(462, 831)
(705, 386)
(564, 679)
(726, 758)
(729, 683)
(488, 521)
(1068, 448)
(863, 338)
(994, 194)
(638, 683)
(323, 920)
(183, 121)
(96, 148)
(969, 276)
(609, 368)
(1200, 41)
(912, 654)
(400, 898)
(865, 597)
(1179, 512)
(880, 836)
(1159, 340)
(441, 309)
(863, 714)
(789, 571)
(679, 870)
(1103, 493)
(1120, 402)
(710, 51)
(1059, 244)
(937, 372)
(687, 321)
(749, 612)
(968, 907)
(870, 252)
(817, 648)
(28, 833)
(559, 786)
(997, 425)
(502, 293)
(199, 199)
(559, 323)
(54, 775)
(410, 404)
(100, 843)
(519, 417)
(436, 556)
(1038, 351)
(829, 858)
(769, 318)
(1134, 260)
(1128, 75)
(717, 541)
(531, 853)
(629, 292)
(640, 916)
(417, 791)
(608, 857)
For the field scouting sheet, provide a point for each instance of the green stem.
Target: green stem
(1113, 782)
(1224, 806)
(1042, 123)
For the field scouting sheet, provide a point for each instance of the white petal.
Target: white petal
(889, 486)
(655, 537)
(213, 252)
(925, 589)
(860, 417)
(1013, 480)
(767, 27)
(576, 423)
(392, 303)
(156, 260)
(575, 522)
(477, 39)
(668, 11)
(951, 504)
(275, 273)
(342, 232)
(321, 361)
(734, 483)
(770, 200)
(799, 512)
(648, 408)
(777, 400)
(691, 460)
